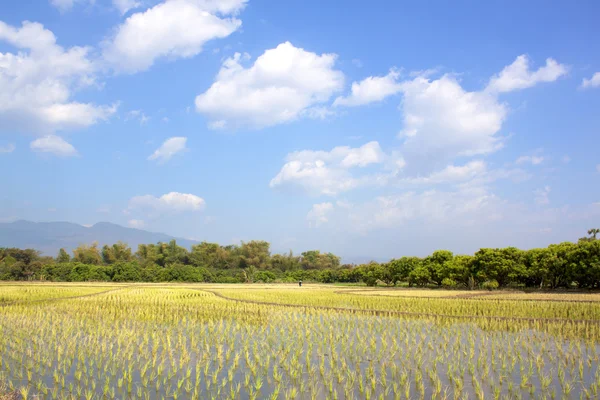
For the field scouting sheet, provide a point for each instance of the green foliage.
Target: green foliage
(63, 256)
(561, 265)
(490, 285)
(87, 254)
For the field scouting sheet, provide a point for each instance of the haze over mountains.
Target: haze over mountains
(49, 237)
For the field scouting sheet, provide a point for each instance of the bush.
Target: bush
(449, 283)
(490, 285)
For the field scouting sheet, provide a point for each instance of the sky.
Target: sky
(369, 130)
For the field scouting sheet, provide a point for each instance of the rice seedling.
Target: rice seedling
(184, 341)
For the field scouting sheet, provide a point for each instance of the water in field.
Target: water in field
(175, 344)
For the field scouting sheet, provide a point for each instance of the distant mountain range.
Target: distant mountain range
(49, 237)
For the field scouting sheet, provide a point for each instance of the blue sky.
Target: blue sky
(370, 130)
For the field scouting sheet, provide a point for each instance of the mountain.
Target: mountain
(49, 237)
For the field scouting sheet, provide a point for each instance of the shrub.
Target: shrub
(449, 283)
(490, 285)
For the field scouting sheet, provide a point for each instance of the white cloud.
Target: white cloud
(282, 85)
(442, 120)
(37, 82)
(138, 115)
(592, 82)
(171, 29)
(53, 145)
(172, 201)
(9, 148)
(534, 160)
(519, 76)
(125, 5)
(371, 89)
(318, 214)
(452, 174)
(541, 196)
(466, 205)
(136, 223)
(63, 5)
(327, 172)
(168, 149)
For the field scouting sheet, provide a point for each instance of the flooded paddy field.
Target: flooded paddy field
(284, 342)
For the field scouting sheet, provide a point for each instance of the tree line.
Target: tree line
(563, 265)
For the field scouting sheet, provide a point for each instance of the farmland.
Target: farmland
(179, 341)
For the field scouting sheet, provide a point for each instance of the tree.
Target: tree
(419, 276)
(63, 256)
(436, 263)
(502, 265)
(249, 273)
(593, 232)
(117, 252)
(87, 254)
(460, 270)
(371, 273)
(285, 262)
(401, 268)
(209, 255)
(255, 254)
(314, 259)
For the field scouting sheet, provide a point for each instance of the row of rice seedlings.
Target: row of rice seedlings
(455, 307)
(180, 343)
(20, 293)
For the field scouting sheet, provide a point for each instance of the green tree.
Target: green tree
(255, 253)
(63, 256)
(401, 268)
(436, 263)
(87, 254)
(420, 276)
(118, 252)
(502, 265)
(209, 255)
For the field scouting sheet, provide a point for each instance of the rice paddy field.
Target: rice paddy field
(143, 341)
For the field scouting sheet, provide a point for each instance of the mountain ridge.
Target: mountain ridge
(49, 237)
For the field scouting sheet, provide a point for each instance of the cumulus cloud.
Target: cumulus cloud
(592, 82)
(519, 76)
(442, 120)
(327, 172)
(171, 29)
(371, 89)
(9, 148)
(318, 214)
(173, 201)
(53, 145)
(282, 85)
(168, 149)
(36, 83)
